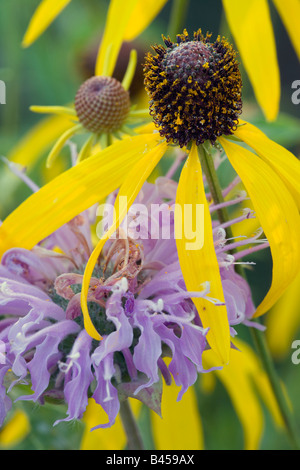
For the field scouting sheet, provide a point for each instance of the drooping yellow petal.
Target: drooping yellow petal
(15, 430)
(278, 216)
(119, 13)
(30, 148)
(113, 438)
(283, 321)
(282, 161)
(143, 14)
(72, 192)
(289, 10)
(127, 194)
(64, 110)
(86, 149)
(199, 263)
(249, 364)
(245, 381)
(38, 140)
(43, 16)
(251, 26)
(125, 21)
(180, 427)
(265, 390)
(60, 143)
(129, 74)
(238, 382)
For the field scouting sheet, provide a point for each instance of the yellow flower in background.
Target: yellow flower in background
(180, 427)
(283, 322)
(246, 382)
(15, 430)
(113, 438)
(43, 16)
(129, 19)
(270, 175)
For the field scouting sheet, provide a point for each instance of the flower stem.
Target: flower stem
(208, 167)
(259, 338)
(178, 17)
(134, 439)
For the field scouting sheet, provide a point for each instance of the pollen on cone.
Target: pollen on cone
(194, 87)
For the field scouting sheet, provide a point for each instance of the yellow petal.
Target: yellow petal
(43, 16)
(282, 161)
(238, 383)
(38, 140)
(266, 392)
(125, 21)
(289, 10)
(113, 438)
(72, 192)
(243, 377)
(64, 110)
(31, 147)
(250, 365)
(251, 26)
(118, 16)
(127, 194)
(15, 430)
(278, 216)
(283, 321)
(143, 14)
(180, 427)
(200, 265)
(60, 143)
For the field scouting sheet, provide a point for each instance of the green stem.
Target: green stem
(259, 338)
(208, 167)
(178, 17)
(130, 426)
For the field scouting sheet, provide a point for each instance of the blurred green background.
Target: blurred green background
(49, 73)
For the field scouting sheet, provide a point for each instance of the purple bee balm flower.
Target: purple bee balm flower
(137, 301)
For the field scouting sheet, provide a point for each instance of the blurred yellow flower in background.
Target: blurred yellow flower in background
(15, 430)
(283, 322)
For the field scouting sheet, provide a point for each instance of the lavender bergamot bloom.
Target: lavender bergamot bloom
(137, 301)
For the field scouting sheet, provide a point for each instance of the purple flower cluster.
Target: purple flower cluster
(137, 301)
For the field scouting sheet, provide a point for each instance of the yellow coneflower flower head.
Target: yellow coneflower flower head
(194, 87)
